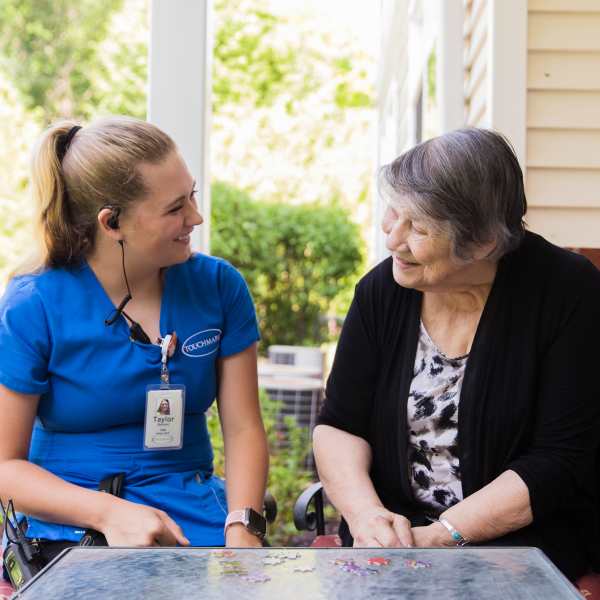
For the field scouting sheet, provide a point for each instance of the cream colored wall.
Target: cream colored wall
(563, 121)
(393, 88)
(557, 137)
(392, 100)
(476, 62)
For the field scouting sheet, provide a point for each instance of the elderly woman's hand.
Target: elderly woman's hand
(432, 536)
(378, 527)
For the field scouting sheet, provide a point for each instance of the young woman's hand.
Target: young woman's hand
(130, 524)
(379, 527)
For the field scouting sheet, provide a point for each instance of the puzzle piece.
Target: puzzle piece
(256, 578)
(304, 569)
(233, 567)
(379, 561)
(417, 564)
(355, 569)
(272, 561)
(224, 553)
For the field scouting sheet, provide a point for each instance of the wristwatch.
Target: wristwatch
(254, 522)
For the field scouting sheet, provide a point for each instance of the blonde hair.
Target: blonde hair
(98, 169)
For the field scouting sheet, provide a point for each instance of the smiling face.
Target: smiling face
(164, 407)
(421, 250)
(157, 228)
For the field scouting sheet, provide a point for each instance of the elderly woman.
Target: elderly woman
(463, 403)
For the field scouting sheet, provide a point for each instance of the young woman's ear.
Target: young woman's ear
(108, 220)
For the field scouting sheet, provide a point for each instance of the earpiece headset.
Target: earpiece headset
(113, 220)
(136, 331)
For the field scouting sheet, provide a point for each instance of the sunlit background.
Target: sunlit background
(292, 159)
(308, 99)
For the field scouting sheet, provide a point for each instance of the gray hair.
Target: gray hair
(467, 182)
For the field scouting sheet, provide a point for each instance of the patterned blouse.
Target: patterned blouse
(433, 426)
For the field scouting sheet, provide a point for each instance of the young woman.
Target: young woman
(117, 314)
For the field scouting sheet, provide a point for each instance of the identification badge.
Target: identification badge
(165, 410)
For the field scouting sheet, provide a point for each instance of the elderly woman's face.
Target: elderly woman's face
(422, 253)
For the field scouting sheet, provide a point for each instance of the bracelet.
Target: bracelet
(456, 536)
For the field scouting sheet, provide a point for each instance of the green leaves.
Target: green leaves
(297, 260)
(346, 97)
(51, 51)
(248, 67)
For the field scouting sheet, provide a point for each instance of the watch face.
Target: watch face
(257, 524)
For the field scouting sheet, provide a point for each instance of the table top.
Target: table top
(310, 573)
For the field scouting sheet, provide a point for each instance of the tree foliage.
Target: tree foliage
(297, 260)
(76, 59)
(248, 68)
(291, 98)
(292, 107)
(66, 57)
(18, 131)
(261, 58)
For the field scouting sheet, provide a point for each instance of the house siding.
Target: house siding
(563, 121)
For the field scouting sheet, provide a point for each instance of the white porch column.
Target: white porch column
(450, 67)
(392, 101)
(179, 89)
(507, 63)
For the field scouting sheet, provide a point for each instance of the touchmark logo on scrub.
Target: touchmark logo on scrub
(202, 343)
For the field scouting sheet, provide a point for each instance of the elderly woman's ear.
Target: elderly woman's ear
(483, 251)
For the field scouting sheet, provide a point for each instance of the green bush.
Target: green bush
(300, 261)
(288, 475)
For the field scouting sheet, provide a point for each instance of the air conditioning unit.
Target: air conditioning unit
(300, 398)
(302, 357)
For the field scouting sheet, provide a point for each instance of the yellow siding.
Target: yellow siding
(563, 120)
(564, 31)
(564, 5)
(563, 109)
(571, 227)
(555, 187)
(559, 70)
(475, 59)
(563, 149)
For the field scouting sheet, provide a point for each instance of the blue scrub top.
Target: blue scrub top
(92, 383)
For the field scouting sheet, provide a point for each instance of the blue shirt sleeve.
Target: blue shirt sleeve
(240, 325)
(24, 339)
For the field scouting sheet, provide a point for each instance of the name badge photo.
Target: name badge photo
(165, 410)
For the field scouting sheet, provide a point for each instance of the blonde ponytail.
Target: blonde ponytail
(99, 168)
(61, 241)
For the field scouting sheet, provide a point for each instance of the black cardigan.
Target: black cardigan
(529, 400)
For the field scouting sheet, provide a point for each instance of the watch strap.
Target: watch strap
(236, 516)
(254, 522)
